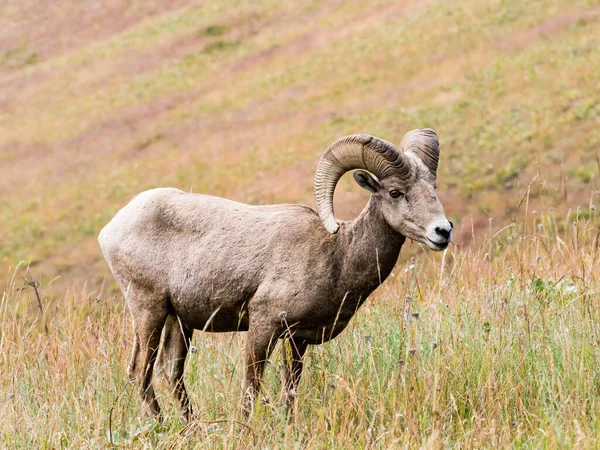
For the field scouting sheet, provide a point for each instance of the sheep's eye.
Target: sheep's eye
(395, 194)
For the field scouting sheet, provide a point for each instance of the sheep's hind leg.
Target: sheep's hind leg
(149, 313)
(175, 344)
(135, 350)
(293, 371)
(259, 345)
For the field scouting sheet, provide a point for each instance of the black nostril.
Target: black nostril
(451, 225)
(443, 232)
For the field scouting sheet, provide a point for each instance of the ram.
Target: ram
(190, 262)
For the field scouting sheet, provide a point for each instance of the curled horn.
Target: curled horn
(424, 143)
(359, 151)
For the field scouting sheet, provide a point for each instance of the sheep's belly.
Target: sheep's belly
(319, 335)
(219, 320)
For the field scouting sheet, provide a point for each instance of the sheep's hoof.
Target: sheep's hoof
(250, 403)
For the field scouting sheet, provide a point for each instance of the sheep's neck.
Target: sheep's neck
(371, 250)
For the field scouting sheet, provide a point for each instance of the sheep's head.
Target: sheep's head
(403, 185)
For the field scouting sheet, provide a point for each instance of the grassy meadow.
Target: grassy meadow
(494, 346)
(495, 343)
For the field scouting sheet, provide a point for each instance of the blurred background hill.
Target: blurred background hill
(101, 100)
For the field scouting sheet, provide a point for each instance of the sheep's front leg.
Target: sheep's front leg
(258, 348)
(294, 370)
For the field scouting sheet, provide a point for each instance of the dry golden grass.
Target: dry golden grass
(495, 345)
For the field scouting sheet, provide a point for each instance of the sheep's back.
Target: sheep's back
(197, 247)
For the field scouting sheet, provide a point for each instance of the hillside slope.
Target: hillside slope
(239, 100)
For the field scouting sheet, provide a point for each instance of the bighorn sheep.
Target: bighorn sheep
(189, 261)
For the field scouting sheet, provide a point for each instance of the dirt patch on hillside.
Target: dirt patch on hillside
(53, 28)
(548, 29)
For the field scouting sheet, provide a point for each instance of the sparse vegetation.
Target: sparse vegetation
(213, 30)
(218, 46)
(19, 57)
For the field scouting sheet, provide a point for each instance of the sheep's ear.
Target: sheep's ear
(366, 181)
